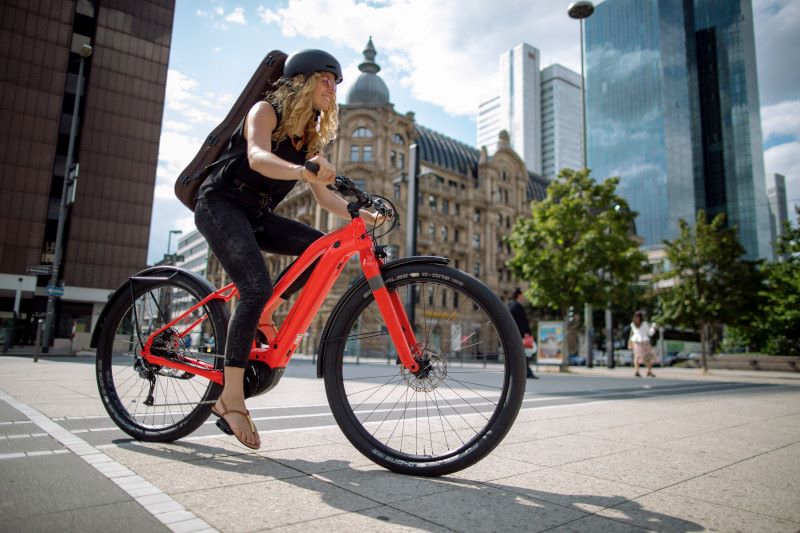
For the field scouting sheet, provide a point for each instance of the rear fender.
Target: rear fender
(156, 273)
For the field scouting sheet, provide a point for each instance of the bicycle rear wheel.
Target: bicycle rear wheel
(151, 402)
(463, 402)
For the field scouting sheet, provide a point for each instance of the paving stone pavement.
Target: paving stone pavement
(691, 456)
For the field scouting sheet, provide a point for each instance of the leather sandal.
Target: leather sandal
(223, 425)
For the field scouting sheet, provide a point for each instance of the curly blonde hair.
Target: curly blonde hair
(293, 100)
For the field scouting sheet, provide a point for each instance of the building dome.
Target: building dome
(369, 88)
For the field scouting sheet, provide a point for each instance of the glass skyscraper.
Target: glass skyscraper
(672, 108)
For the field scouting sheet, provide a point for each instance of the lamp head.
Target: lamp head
(580, 9)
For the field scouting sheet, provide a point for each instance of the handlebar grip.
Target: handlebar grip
(311, 166)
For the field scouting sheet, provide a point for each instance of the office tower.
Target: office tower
(776, 193)
(517, 108)
(673, 109)
(106, 234)
(540, 110)
(562, 138)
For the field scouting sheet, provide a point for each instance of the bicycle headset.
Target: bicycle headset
(310, 61)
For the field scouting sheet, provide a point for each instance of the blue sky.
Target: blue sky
(438, 59)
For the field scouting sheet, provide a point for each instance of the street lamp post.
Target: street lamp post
(169, 239)
(84, 52)
(580, 10)
(171, 259)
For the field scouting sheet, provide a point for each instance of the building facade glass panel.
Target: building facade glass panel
(672, 109)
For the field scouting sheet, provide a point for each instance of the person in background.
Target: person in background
(518, 312)
(639, 343)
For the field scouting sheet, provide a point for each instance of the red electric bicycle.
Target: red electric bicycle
(423, 365)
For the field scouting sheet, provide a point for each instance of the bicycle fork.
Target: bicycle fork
(393, 312)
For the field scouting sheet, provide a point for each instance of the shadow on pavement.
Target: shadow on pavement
(333, 476)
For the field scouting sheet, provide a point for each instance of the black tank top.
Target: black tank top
(238, 168)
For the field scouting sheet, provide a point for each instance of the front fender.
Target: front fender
(359, 286)
(155, 273)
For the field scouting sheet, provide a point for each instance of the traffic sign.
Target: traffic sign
(40, 270)
(54, 291)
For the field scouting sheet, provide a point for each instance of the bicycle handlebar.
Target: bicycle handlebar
(346, 187)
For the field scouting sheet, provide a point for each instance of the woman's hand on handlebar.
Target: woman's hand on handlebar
(325, 175)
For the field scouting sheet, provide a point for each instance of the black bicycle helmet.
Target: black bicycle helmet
(310, 61)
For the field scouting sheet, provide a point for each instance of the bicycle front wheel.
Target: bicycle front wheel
(464, 400)
(150, 402)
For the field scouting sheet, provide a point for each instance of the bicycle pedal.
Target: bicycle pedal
(224, 427)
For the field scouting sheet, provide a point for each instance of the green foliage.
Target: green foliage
(780, 321)
(708, 282)
(576, 247)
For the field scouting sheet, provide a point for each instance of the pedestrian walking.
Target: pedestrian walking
(639, 343)
(518, 312)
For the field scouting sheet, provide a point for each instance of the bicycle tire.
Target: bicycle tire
(504, 378)
(180, 402)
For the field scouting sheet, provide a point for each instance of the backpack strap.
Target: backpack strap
(227, 157)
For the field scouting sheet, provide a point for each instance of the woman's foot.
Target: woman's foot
(238, 422)
(637, 374)
(650, 374)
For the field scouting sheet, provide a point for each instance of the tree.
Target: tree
(708, 283)
(781, 295)
(576, 248)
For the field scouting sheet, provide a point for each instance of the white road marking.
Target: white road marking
(154, 500)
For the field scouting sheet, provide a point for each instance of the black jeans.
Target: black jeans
(236, 234)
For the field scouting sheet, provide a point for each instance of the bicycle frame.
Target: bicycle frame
(333, 251)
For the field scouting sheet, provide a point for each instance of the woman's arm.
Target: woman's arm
(259, 125)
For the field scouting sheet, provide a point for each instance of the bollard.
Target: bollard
(38, 348)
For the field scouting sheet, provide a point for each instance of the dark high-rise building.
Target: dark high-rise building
(116, 147)
(673, 109)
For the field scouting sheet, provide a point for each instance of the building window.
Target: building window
(457, 209)
(476, 241)
(477, 269)
(446, 206)
(443, 233)
(432, 202)
(362, 132)
(396, 191)
(393, 158)
(368, 152)
(476, 216)
(397, 139)
(431, 230)
(401, 160)
(456, 236)
(355, 153)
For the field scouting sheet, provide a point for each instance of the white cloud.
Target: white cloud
(777, 37)
(453, 51)
(267, 15)
(785, 159)
(236, 16)
(781, 119)
(174, 125)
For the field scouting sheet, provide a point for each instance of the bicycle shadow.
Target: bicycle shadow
(430, 504)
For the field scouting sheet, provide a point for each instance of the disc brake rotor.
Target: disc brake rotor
(431, 373)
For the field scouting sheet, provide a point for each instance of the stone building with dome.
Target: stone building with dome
(468, 201)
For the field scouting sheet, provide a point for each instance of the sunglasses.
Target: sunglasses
(329, 83)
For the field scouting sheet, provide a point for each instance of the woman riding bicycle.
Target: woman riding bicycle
(235, 208)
